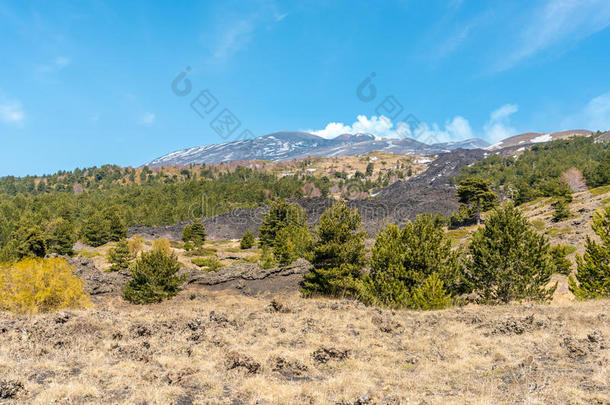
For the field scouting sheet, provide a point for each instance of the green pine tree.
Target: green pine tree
(291, 243)
(593, 272)
(247, 240)
(117, 229)
(280, 215)
(60, 237)
(30, 241)
(601, 175)
(561, 210)
(120, 256)
(153, 278)
(508, 260)
(558, 255)
(96, 230)
(267, 259)
(431, 294)
(403, 260)
(476, 192)
(194, 233)
(338, 254)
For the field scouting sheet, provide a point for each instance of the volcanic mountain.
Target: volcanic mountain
(280, 146)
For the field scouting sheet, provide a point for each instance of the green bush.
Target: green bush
(291, 243)
(593, 269)
(408, 264)
(464, 216)
(338, 254)
(153, 278)
(208, 263)
(60, 237)
(120, 256)
(247, 240)
(561, 210)
(194, 233)
(558, 255)
(201, 251)
(508, 260)
(280, 215)
(267, 259)
(430, 295)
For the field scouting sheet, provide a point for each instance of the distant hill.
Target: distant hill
(280, 146)
(537, 137)
(283, 146)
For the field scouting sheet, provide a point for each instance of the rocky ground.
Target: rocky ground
(221, 347)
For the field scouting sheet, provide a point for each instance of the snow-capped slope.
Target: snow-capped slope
(536, 137)
(291, 145)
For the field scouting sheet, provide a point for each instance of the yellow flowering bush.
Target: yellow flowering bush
(40, 285)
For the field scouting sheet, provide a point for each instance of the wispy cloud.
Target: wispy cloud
(508, 35)
(555, 23)
(595, 115)
(147, 119)
(56, 64)
(11, 112)
(238, 30)
(498, 126)
(235, 37)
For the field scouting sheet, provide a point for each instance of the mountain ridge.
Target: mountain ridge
(288, 145)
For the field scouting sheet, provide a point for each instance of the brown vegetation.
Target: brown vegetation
(222, 348)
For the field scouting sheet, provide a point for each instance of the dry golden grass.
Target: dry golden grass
(223, 348)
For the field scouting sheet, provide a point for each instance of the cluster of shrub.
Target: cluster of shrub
(413, 267)
(31, 239)
(416, 267)
(111, 196)
(114, 201)
(537, 172)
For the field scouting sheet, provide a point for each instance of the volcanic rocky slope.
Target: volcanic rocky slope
(430, 192)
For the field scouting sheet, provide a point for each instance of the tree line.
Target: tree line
(537, 171)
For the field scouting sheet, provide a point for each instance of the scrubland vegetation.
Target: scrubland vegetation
(345, 336)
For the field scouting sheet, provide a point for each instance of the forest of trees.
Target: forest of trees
(537, 172)
(410, 267)
(110, 199)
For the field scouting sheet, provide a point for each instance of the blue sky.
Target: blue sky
(90, 82)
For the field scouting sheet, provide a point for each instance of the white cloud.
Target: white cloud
(595, 115)
(556, 22)
(458, 128)
(147, 118)
(56, 64)
(383, 127)
(11, 112)
(498, 127)
(378, 126)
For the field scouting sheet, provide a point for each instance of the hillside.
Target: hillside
(224, 348)
(281, 146)
(239, 332)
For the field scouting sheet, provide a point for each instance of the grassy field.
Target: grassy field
(224, 348)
